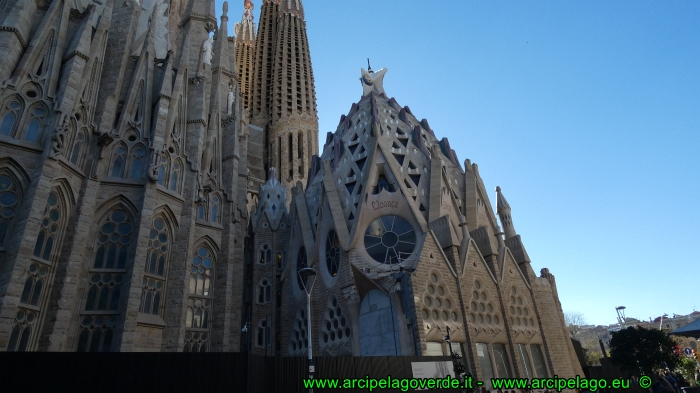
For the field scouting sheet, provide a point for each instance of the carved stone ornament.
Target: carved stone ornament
(58, 139)
(155, 165)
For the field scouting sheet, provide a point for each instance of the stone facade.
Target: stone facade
(405, 244)
(140, 207)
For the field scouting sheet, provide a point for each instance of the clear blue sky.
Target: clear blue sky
(586, 113)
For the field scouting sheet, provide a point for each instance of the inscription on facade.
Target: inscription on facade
(376, 205)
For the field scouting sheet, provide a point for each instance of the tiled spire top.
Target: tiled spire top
(294, 7)
(245, 30)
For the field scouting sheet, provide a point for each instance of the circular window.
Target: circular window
(390, 239)
(301, 263)
(332, 253)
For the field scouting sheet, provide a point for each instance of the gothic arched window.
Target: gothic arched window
(175, 175)
(153, 295)
(106, 275)
(115, 236)
(199, 302)
(118, 161)
(262, 334)
(11, 113)
(164, 164)
(34, 284)
(214, 209)
(139, 155)
(264, 291)
(9, 199)
(78, 148)
(51, 225)
(265, 253)
(35, 121)
(21, 331)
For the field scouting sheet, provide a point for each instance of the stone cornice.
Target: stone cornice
(17, 33)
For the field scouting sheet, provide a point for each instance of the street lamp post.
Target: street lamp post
(305, 274)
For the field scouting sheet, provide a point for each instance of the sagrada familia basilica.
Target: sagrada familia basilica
(162, 184)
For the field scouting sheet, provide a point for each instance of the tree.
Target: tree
(574, 320)
(591, 349)
(642, 351)
(687, 367)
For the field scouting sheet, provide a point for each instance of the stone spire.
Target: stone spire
(503, 211)
(245, 52)
(264, 58)
(294, 121)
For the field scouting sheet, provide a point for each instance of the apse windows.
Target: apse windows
(332, 253)
(538, 360)
(390, 239)
(157, 261)
(170, 172)
(9, 200)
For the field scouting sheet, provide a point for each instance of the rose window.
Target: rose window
(390, 239)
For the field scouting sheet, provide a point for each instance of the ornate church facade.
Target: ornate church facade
(161, 187)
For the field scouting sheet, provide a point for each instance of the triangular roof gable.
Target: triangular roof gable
(509, 263)
(473, 251)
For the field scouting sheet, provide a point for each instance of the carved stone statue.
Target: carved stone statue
(207, 47)
(162, 43)
(156, 163)
(229, 103)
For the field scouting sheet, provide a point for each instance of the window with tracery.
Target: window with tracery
(128, 157)
(11, 113)
(158, 259)
(199, 302)
(9, 200)
(107, 272)
(214, 209)
(51, 225)
(21, 331)
(78, 150)
(35, 121)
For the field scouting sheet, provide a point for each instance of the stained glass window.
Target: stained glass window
(390, 239)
